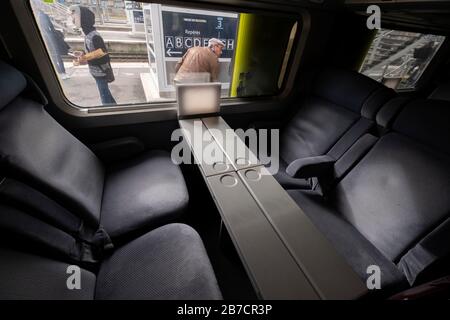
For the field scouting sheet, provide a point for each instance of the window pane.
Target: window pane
(398, 58)
(262, 42)
(126, 52)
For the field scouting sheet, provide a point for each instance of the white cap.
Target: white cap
(214, 41)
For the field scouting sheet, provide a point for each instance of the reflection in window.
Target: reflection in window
(398, 58)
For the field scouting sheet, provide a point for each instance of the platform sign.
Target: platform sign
(132, 5)
(138, 16)
(182, 30)
(171, 31)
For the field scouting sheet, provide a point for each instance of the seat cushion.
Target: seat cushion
(348, 242)
(169, 262)
(143, 193)
(25, 276)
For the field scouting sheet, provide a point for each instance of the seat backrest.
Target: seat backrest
(442, 92)
(338, 99)
(397, 196)
(38, 151)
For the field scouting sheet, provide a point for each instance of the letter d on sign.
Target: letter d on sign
(74, 280)
(374, 20)
(374, 280)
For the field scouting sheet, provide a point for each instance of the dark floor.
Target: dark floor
(204, 217)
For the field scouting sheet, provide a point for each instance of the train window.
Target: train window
(117, 52)
(398, 58)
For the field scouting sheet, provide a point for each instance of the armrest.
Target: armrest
(310, 167)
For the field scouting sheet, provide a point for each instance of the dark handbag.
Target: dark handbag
(107, 69)
(104, 64)
(109, 73)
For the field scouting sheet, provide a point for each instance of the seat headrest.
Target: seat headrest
(441, 93)
(426, 121)
(352, 90)
(12, 83)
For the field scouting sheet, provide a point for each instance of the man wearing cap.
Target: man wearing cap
(200, 64)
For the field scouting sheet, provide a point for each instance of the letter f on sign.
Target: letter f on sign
(374, 20)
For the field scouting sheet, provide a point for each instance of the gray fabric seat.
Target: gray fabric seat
(340, 108)
(25, 276)
(348, 241)
(169, 262)
(146, 192)
(393, 207)
(54, 196)
(36, 150)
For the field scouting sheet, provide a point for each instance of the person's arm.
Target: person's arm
(215, 71)
(98, 43)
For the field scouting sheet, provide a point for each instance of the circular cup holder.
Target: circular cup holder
(252, 174)
(242, 161)
(220, 166)
(228, 180)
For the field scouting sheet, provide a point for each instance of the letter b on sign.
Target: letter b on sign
(374, 279)
(74, 280)
(374, 20)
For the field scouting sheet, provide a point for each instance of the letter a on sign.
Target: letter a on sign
(169, 42)
(74, 280)
(374, 280)
(374, 20)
